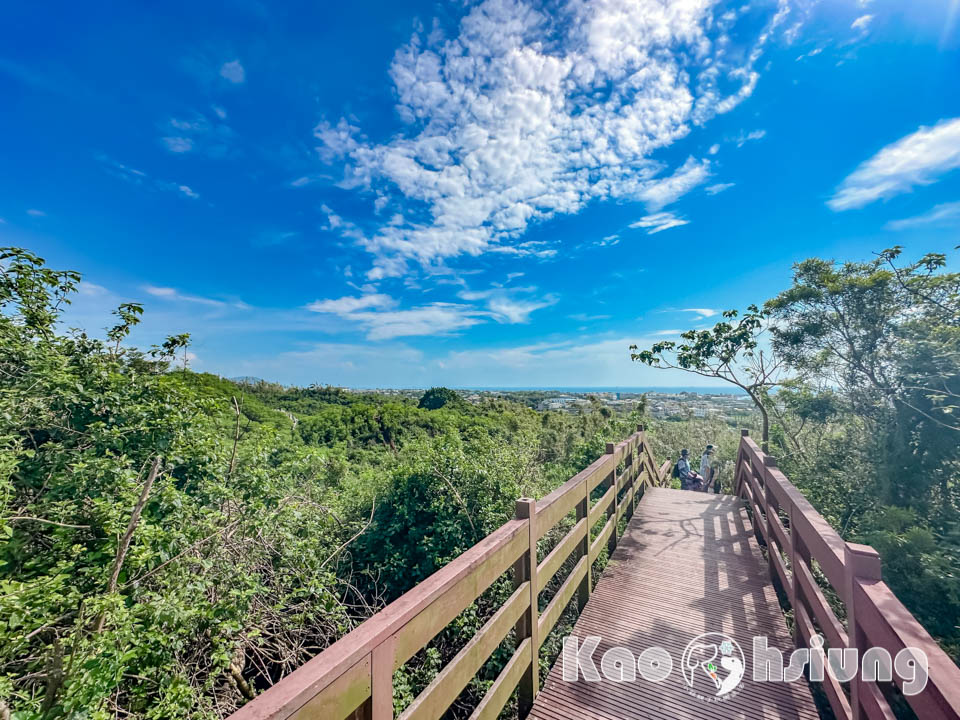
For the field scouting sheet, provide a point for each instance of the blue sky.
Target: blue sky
(497, 193)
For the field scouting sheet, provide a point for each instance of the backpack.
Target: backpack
(676, 469)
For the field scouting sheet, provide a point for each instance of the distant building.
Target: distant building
(558, 403)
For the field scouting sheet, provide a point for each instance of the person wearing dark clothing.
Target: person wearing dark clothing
(689, 480)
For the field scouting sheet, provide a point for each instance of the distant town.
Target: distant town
(665, 405)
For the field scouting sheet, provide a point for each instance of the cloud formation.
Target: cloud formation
(943, 214)
(744, 138)
(702, 312)
(521, 115)
(862, 23)
(233, 72)
(718, 188)
(208, 134)
(659, 222)
(378, 315)
(917, 159)
(140, 178)
(172, 294)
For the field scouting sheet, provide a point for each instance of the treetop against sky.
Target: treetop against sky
(491, 193)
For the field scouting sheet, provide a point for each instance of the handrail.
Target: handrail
(353, 678)
(875, 618)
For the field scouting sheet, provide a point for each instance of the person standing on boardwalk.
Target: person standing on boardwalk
(708, 471)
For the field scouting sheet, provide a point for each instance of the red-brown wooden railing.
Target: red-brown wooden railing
(353, 678)
(875, 618)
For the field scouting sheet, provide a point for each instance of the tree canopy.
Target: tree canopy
(438, 397)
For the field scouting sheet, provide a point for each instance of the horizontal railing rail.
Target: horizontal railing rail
(353, 678)
(796, 537)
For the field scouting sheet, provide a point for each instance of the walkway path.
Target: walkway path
(688, 564)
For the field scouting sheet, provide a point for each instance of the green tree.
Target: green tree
(732, 351)
(889, 338)
(438, 397)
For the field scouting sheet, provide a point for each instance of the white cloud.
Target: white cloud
(718, 188)
(702, 312)
(714, 149)
(917, 159)
(663, 192)
(812, 53)
(371, 313)
(335, 140)
(744, 138)
(521, 115)
(90, 289)
(198, 132)
(504, 306)
(178, 144)
(219, 112)
(172, 294)
(33, 212)
(862, 23)
(347, 305)
(943, 214)
(378, 316)
(141, 179)
(658, 222)
(433, 319)
(233, 72)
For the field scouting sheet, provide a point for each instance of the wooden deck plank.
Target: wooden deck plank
(688, 564)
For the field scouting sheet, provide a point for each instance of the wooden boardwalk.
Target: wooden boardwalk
(688, 564)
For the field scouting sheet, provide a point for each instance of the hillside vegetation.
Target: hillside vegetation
(276, 519)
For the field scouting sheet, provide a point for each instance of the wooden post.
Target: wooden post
(798, 554)
(612, 507)
(586, 585)
(737, 474)
(381, 681)
(526, 570)
(766, 502)
(639, 486)
(631, 473)
(861, 562)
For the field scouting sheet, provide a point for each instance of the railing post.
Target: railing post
(583, 513)
(798, 554)
(766, 502)
(525, 570)
(381, 681)
(612, 507)
(639, 487)
(634, 473)
(737, 475)
(861, 562)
